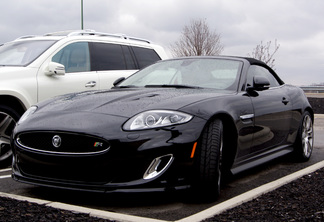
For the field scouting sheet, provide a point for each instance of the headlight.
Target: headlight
(156, 118)
(29, 112)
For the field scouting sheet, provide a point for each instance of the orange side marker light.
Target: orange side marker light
(193, 150)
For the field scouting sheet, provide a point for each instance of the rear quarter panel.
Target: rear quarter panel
(300, 104)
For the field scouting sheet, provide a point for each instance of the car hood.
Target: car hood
(128, 102)
(14, 72)
(9, 69)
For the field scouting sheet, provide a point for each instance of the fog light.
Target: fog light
(158, 166)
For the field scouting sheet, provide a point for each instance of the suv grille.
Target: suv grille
(62, 142)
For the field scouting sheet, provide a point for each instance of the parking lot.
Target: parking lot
(168, 206)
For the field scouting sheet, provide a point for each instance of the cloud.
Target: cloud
(296, 24)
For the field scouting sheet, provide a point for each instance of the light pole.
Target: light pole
(82, 14)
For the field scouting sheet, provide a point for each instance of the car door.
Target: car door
(78, 75)
(272, 111)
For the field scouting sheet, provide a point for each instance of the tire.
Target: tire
(305, 138)
(8, 120)
(209, 161)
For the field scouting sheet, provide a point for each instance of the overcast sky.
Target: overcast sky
(296, 24)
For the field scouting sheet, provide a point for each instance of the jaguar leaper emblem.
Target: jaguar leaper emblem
(56, 141)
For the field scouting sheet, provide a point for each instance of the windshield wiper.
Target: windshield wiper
(173, 86)
(127, 86)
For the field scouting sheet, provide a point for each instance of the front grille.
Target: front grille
(62, 142)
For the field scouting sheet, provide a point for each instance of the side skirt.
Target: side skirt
(261, 159)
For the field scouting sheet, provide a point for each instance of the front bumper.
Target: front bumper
(148, 160)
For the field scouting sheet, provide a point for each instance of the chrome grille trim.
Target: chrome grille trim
(61, 153)
(105, 148)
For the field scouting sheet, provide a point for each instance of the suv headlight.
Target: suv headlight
(156, 118)
(28, 112)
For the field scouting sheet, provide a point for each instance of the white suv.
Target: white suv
(34, 68)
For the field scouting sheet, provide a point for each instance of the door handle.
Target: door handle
(91, 84)
(285, 101)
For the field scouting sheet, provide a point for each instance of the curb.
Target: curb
(77, 209)
(205, 214)
(252, 194)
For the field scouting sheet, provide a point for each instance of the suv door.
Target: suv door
(111, 61)
(78, 75)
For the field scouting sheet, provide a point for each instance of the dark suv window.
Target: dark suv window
(145, 56)
(130, 63)
(76, 57)
(105, 56)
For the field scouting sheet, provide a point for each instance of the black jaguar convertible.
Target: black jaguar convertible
(177, 124)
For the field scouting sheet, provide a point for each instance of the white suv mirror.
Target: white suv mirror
(55, 68)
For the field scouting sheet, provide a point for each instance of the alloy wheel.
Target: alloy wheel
(307, 136)
(7, 124)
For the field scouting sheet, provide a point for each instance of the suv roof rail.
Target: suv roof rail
(59, 33)
(132, 38)
(26, 37)
(93, 32)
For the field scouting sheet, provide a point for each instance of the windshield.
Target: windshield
(213, 73)
(21, 53)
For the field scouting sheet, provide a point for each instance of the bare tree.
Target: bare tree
(197, 40)
(263, 52)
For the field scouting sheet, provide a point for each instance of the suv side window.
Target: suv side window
(129, 57)
(75, 57)
(255, 70)
(106, 56)
(145, 56)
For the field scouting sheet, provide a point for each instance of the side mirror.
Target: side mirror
(54, 68)
(260, 83)
(119, 80)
